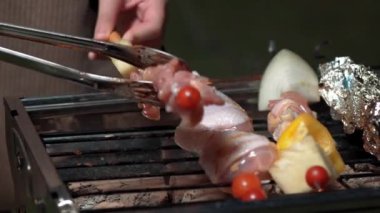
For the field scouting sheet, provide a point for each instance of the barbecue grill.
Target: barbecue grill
(96, 153)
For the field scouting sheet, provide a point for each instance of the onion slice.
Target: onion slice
(124, 68)
(287, 72)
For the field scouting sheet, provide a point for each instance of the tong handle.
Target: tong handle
(57, 70)
(131, 55)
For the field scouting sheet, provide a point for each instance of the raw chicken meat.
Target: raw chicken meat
(225, 142)
(287, 86)
(218, 129)
(284, 111)
(168, 79)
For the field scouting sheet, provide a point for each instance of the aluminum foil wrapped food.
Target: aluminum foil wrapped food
(353, 93)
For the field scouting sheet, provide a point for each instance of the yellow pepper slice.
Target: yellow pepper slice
(305, 124)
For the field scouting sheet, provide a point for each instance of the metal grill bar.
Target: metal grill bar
(129, 171)
(168, 188)
(121, 158)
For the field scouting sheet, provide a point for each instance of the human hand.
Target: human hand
(139, 21)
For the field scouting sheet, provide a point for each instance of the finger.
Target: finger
(92, 55)
(106, 21)
(130, 4)
(96, 56)
(149, 23)
(107, 17)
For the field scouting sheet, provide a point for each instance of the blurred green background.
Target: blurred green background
(231, 38)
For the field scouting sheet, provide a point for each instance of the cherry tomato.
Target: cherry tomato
(317, 177)
(188, 98)
(254, 194)
(245, 183)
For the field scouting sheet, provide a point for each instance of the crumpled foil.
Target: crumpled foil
(353, 93)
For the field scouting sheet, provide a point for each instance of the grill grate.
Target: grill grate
(144, 168)
(110, 158)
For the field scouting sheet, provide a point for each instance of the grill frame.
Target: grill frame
(44, 189)
(37, 184)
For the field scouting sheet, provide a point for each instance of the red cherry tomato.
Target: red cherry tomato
(255, 194)
(317, 177)
(245, 183)
(188, 98)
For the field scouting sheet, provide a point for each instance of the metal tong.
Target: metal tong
(140, 91)
(139, 56)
